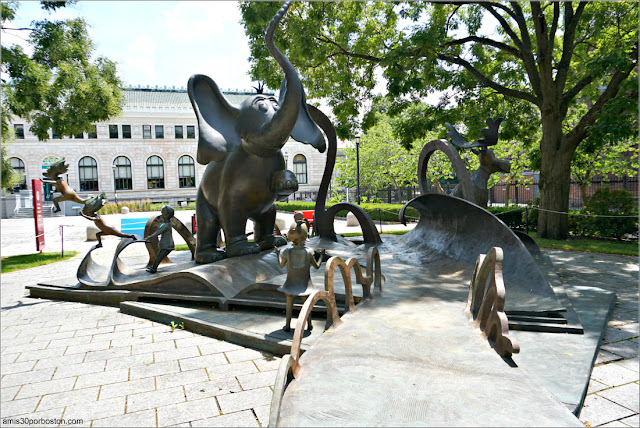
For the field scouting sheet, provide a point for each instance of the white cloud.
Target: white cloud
(198, 21)
(139, 62)
(228, 71)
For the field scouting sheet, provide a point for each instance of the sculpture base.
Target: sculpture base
(259, 329)
(428, 271)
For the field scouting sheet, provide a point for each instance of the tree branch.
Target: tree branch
(343, 51)
(554, 24)
(451, 16)
(545, 56)
(580, 131)
(570, 24)
(582, 83)
(503, 23)
(490, 83)
(527, 50)
(493, 4)
(18, 29)
(488, 42)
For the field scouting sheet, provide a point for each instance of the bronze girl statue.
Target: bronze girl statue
(300, 259)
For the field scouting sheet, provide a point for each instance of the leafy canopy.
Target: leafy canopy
(563, 71)
(58, 85)
(491, 59)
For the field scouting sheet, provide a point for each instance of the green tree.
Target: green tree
(619, 159)
(544, 58)
(520, 157)
(384, 162)
(58, 86)
(9, 177)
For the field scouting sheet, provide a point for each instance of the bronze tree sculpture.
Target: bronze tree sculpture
(471, 187)
(241, 147)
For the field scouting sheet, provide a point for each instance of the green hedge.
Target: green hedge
(512, 216)
(141, 206)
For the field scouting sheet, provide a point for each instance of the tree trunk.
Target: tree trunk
(555, 179)
(438, 187)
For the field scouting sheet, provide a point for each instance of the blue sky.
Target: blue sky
(160, 42)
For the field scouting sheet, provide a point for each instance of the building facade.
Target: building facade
(147, 152)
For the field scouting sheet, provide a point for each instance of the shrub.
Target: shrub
(532, 214)
(512, 217)
(606, 202)
(295, 206)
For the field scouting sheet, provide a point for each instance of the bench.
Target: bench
(133, 226)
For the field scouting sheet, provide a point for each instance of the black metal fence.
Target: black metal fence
(519, 193)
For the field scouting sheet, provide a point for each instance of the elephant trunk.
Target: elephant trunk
(278, 129)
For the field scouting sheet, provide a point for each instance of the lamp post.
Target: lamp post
(357, 141)
(286, 166)
(115, 194)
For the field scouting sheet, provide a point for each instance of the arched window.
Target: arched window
(88, 173)
(186, 171)
(300, 168)
(18, 167)
(155, 173)
(122, 173)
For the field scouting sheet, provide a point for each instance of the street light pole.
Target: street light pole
(357, 139)
(115, 194)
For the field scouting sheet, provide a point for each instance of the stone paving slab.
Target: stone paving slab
(33, 324)
(618, 274)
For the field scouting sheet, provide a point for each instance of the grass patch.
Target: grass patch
(606, 246)
(182, 247)
(25, 261)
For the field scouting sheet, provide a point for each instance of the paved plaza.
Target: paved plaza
(91, 365)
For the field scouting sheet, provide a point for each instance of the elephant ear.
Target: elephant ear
(305, 130)
(216, 119)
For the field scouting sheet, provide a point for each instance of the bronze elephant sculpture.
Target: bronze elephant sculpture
(241, 147)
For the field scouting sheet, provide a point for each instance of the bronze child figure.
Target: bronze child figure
(166, 239)
(89, 211)
(300, 259)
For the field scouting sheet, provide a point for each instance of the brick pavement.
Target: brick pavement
(612, 397)
(75, 361)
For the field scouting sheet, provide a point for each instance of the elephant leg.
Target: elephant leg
(263, 230)
(234, 223)
(237, 243)
(207, 233)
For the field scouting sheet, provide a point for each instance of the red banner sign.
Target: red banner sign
(36, 185)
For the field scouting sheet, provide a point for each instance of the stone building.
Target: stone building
(147, 152)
